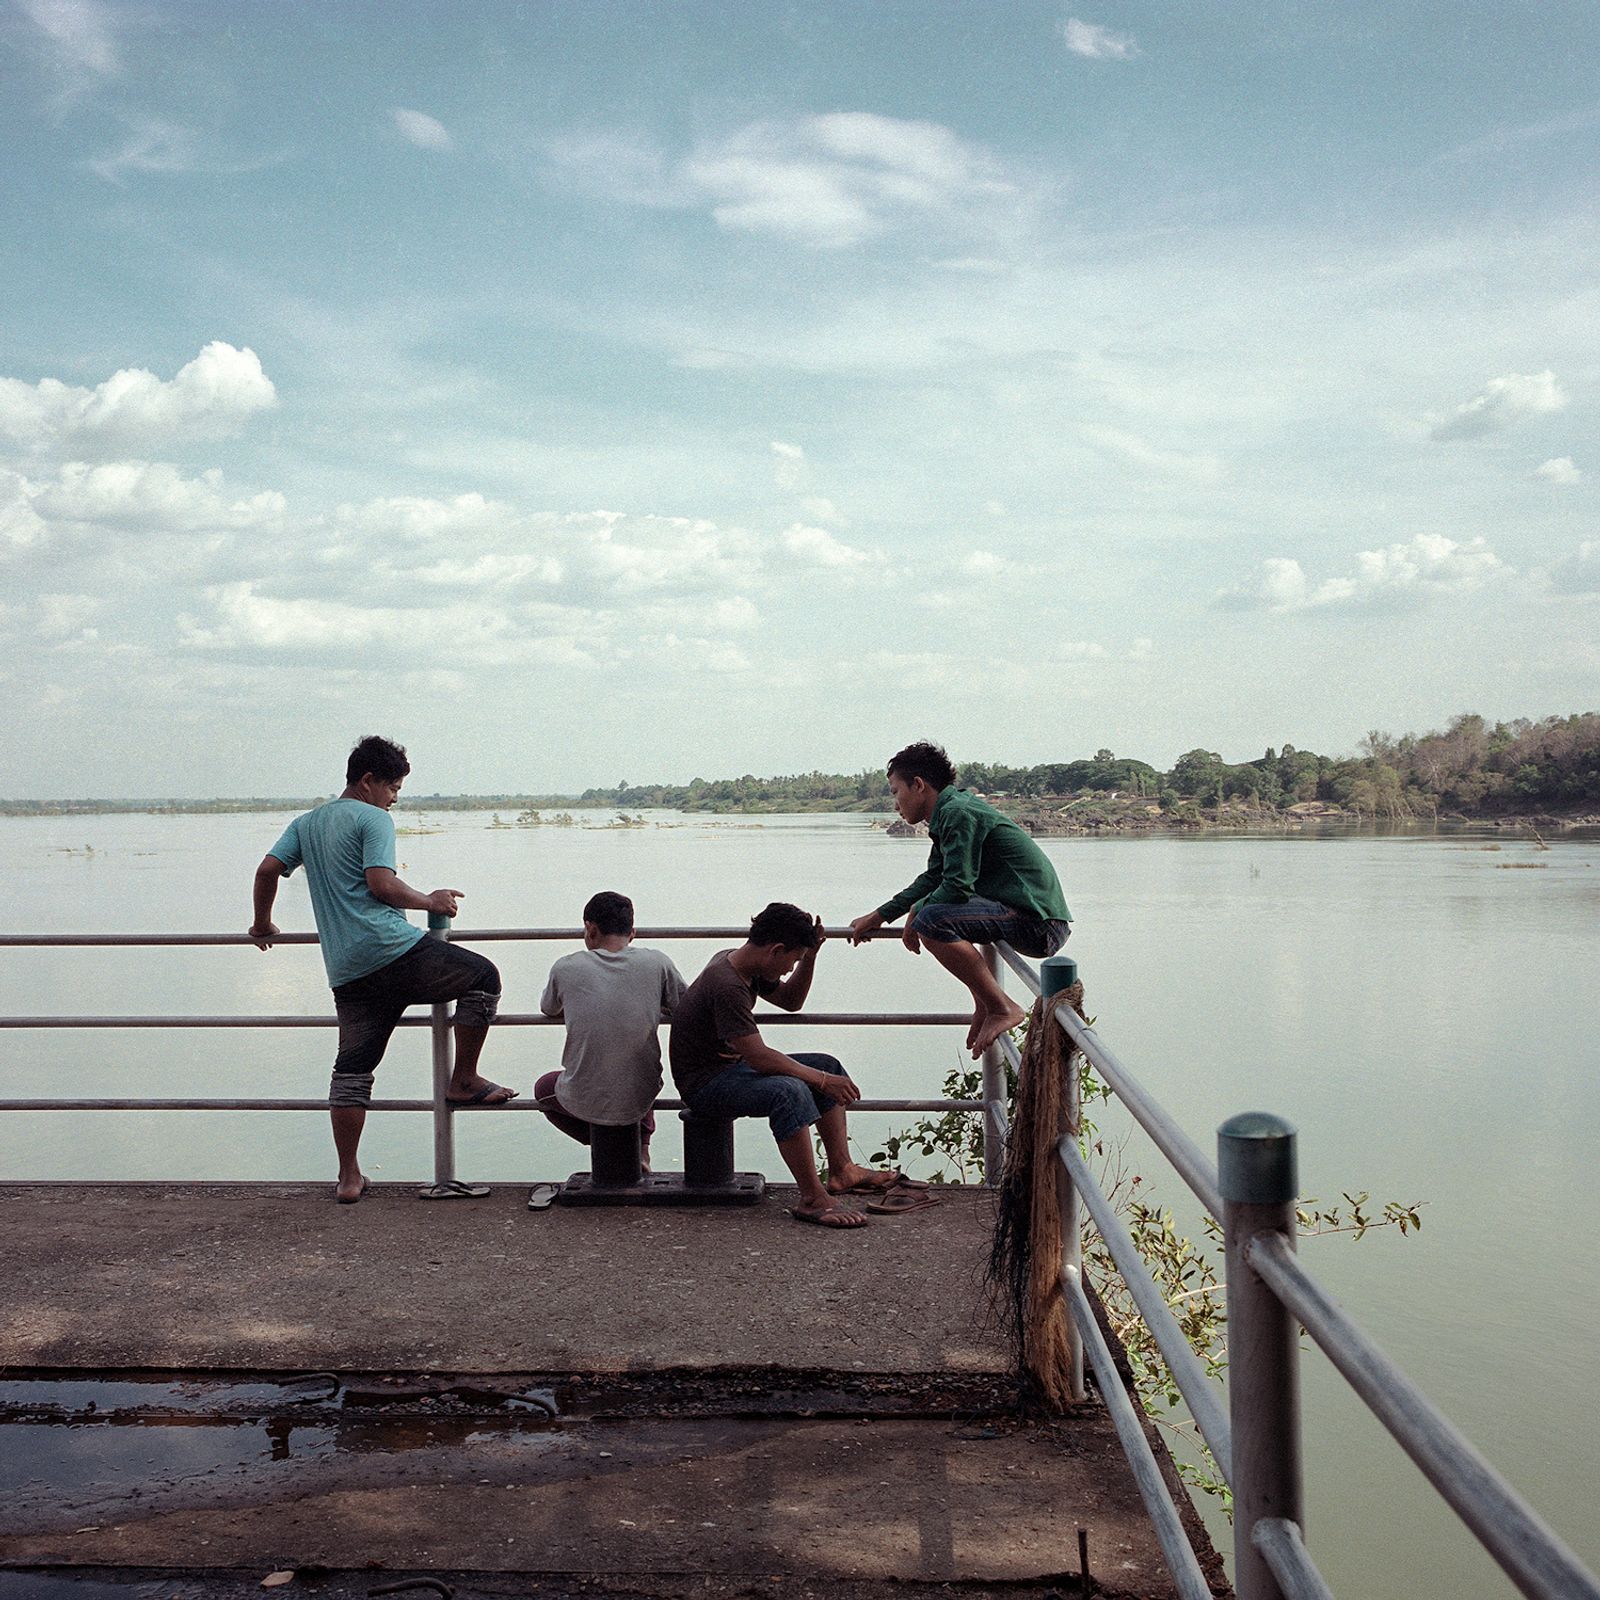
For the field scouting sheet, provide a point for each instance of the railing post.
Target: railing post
(1057, 973)
(994, 1085)
(1256, 1172)
(444, 1149)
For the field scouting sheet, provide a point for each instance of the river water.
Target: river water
(1420, 1006)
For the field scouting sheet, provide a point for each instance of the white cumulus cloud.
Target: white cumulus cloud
(1560, 470)
(151, 494)
(425, 132)
(1502, 402)
(817, 547)
(1427, 566)
(212, 397)
(21, 526)
(1094, 43)
(827, 181)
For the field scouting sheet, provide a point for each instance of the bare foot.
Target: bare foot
(855, 1179)
(977, 1022)
(478, 1091)
(830, 1216)
(348, 1190)
(994, 1024)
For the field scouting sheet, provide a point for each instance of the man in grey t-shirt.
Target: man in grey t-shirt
(613, 999)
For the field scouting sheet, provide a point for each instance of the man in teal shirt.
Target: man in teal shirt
(986, 881)
(378, 962)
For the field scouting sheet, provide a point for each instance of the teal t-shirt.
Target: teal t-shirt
(337, 843)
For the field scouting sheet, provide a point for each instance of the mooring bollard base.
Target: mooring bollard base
(663, 1189)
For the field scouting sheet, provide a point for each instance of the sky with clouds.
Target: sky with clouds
(637, 390)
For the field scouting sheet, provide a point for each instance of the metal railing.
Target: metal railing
(1252, 1432)
(991, 1105)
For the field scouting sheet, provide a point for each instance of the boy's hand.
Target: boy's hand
(862, 926)
(816, 923)
(838, 1087)
(443, 901)
(264, 933)
(910, 940)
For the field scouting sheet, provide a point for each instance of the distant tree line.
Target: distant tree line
(1472, 768)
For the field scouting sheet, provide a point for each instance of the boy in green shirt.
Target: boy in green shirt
(986, 881)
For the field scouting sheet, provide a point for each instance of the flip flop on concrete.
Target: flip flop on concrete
(350, 1199)
(486, 1096)
(454, 1190)
(542, 1196)
(828, 1216)
(893, 1201)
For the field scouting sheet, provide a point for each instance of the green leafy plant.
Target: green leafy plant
(1188, 1270)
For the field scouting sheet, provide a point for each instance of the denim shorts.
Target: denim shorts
(788, 1104)
(989, 922)
(371, 1006)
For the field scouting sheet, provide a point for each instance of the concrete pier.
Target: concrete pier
(537, 1403)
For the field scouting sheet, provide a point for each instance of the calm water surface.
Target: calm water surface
(1420, 1007)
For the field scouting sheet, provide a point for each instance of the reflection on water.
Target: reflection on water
(1417, 1005)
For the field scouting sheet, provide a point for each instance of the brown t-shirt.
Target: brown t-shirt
(717, 1007)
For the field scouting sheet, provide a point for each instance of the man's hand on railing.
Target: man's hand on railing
(264, 933)
(840, 1088)
(443, 901)
(862, 926)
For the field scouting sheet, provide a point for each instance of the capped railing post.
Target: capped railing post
(444, 1147)
(994, 1086)
(1056, 974)
(1256, 1173)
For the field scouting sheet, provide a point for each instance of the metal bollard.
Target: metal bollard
(614, 1156)
(444, 1149)
(1055, 974)
(707, 1151)
(1256, 1172)
(994, 1086)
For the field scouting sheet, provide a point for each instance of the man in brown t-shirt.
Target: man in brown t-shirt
(724, 1069)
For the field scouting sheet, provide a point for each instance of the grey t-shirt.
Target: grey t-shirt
(613, 1001)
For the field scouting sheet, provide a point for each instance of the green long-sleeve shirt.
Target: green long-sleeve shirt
(979, 852)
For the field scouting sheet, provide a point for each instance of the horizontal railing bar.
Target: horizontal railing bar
(1530, 1553)
(1175, 1546)
(1284, 1550)
(412, 1105)
(464, 935)
(1205, 1402)
(1170, 1139)
(813, 1019)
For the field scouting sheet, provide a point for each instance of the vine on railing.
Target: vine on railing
(1186, 1269)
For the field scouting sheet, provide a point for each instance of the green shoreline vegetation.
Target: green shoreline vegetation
(1545, 771)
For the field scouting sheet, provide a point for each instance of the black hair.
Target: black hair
(610, 912)
(383, 758)
(782, 923)
(922, 760)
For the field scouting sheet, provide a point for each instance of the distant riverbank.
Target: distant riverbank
(1049, 816)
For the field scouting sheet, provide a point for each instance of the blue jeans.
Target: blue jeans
(369, 1007)
(987, 922)
(788, 1104)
